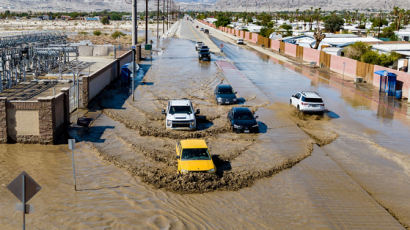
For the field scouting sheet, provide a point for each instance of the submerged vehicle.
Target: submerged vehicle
(180, 115)
(242, 120)
(193, 156)
(225, 95)
(306, 101)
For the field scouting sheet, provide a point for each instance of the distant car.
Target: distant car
(180, 115)
(202, 29)
(206, 31)
(307, 101)
(242, 120)
(240, 41)
(193, 156)
(225, 95)
(204, 54)
(198, 45)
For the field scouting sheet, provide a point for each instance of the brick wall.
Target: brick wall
(311, 55)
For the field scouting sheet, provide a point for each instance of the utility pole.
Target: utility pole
(157, 20)
(134, 23)
(163, 17)
(146, 21)
(167, 14)
(134, 44)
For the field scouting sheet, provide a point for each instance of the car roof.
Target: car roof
(181, 102)
(241, 109)
(310, 94)
(224, 86)
(193, 143)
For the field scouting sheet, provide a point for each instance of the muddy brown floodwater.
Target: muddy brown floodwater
(127, 175)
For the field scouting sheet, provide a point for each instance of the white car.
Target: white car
(240, 41)
(198, 45)
(180, 115)
(307, 101)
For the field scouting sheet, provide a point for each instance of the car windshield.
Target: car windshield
(195, 154)
(180, 109)
(225, 90)
(314, 100)
(245, 115)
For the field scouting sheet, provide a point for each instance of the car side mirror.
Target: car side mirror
(293, 95)
(164, 112)
(177, 157)
(198, 111)
(256, 117)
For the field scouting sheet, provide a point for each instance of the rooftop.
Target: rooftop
(193, 144)
(310, 94)
(180, 102)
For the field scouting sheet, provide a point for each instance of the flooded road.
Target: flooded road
(278, 179)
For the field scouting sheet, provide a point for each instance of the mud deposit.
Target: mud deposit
(140, 143)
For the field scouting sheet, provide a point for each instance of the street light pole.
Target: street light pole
(146, 21)
(134, 44)
(157, 20)
(163, 17)
(167, 14)
(134, 23)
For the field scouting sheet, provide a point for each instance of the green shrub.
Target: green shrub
(117, 34)
(97, 32)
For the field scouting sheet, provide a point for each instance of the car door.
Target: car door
(295, 100)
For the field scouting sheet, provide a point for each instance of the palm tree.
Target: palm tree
(395, 12)
(400, 17)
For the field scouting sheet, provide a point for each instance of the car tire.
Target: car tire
(290, 102)
(298, 108)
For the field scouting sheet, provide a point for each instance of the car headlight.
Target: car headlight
(169, 122)
(255, 125)
(234, 99)
(237, 126)
(184, 171)
(211, 170)
(219, 99)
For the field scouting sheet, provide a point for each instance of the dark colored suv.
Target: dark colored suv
(225, 95)
(242, 120)
(204, 54)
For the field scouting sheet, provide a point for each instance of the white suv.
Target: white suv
(306, 101)
(180, 115)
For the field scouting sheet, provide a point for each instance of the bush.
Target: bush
(371, 57)
(105, 20)
(356, 50)
(97, 32)
(117, 34)
(83, 33)
(266, 32)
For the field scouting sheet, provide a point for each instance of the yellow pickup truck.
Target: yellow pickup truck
(193, 156)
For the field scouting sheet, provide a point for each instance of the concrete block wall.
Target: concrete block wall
(311, 55)
(95, 83)
(290, 49)
(3, 120)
